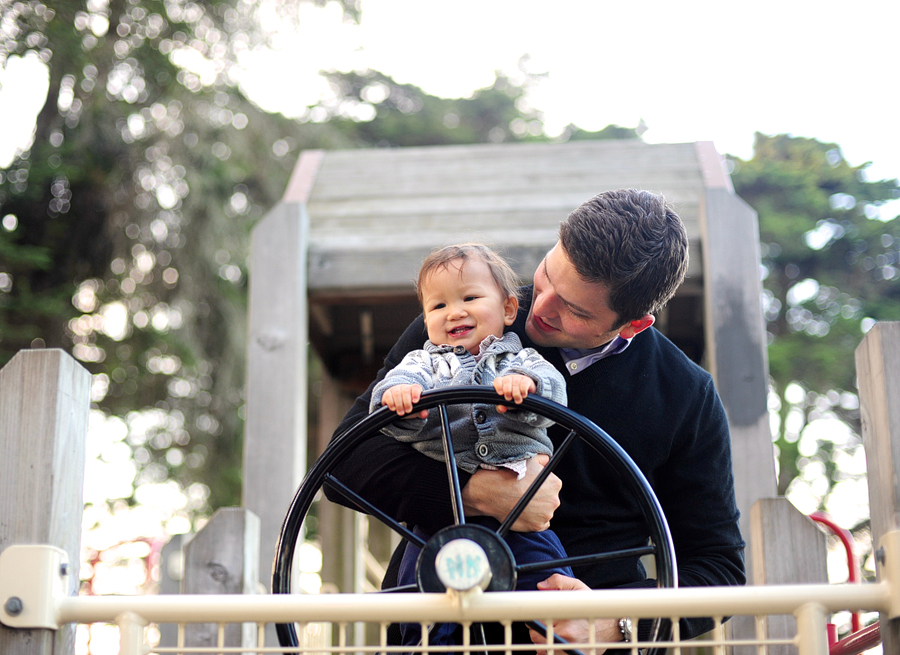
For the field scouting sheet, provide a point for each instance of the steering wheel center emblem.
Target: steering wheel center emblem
(462, 565)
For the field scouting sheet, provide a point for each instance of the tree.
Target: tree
(125, 232)
(127, 219)
(830, 263)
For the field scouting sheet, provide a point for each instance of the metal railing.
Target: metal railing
(32, 583)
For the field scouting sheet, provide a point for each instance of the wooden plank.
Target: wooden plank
(44, 407)
(473, 180)
(524, 158)
(468, 172)
(275, 429)
(345, 231)
(736, 353)
(778, 530)
(559, 202)
(223, 558)
(171, 575)
(878, 373)
(736, 344)
(393, 267)
(787, 548)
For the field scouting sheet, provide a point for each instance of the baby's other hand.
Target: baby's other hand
(514, 387)
(401, 398)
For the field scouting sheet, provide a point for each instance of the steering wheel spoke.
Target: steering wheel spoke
(536, 485)
(366, 507)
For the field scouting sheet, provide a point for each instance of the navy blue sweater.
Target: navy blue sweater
(658, 405)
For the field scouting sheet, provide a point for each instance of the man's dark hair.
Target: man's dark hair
(631, 242)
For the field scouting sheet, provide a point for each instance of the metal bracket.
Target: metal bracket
(888, 558)
(32, 577)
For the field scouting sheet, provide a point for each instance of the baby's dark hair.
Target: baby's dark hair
(503, 274)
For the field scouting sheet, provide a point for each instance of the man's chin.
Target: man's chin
(539, 336)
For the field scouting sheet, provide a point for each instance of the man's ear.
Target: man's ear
(635, 327)
(510, 309)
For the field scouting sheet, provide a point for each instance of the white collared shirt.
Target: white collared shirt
(578, 360)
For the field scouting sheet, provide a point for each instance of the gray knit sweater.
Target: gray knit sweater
(481, 435)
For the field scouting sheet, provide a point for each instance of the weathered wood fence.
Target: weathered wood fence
(44, 405)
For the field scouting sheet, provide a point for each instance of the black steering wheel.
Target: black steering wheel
(504, 571)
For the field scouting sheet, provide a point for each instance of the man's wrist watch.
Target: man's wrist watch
(626, 627)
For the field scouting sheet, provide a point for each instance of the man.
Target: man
(619, 259)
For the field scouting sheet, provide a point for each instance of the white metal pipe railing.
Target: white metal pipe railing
(34, 576)
(499, 606)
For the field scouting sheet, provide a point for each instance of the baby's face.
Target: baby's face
(463, 306)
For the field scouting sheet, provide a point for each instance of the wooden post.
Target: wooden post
(275, 431)
(223, 558)
(44, 406)
(736, 352)
(736, 344)
(878, 373)
(787, 548)
(171, 575)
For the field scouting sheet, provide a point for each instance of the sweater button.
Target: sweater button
(482, 450)
(459, 350)
(480, 417)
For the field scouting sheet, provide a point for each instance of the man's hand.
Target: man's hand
(401, 397)
(576, 630)
(495, 493)
(514, 387)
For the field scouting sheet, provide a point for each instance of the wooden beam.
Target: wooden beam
(45, 400)
(275, 429)
(787, 548)
(223, 558)
(735, 341)
(878, 373)
(736, 352)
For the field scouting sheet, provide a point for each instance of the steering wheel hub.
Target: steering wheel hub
(463, 557)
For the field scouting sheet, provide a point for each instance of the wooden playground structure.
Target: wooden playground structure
(332, 267)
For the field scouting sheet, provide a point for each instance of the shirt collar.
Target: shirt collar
(578, 360)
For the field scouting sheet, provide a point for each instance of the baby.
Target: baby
(468, 296)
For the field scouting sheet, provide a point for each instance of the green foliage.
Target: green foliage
(831, 268)
(131, 210)
(369, 108)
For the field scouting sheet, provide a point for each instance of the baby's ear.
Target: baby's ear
(510, 309)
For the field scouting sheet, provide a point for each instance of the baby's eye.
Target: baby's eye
(440, 305)
(471, 298)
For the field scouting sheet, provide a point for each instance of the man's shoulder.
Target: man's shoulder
(656, 350)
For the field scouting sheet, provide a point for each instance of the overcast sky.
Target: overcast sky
(692, 70)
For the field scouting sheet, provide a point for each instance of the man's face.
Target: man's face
(568, 312)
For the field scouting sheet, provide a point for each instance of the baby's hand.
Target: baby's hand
(514, 387)
(400, 398)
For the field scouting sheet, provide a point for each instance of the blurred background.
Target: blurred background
(143, 139)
